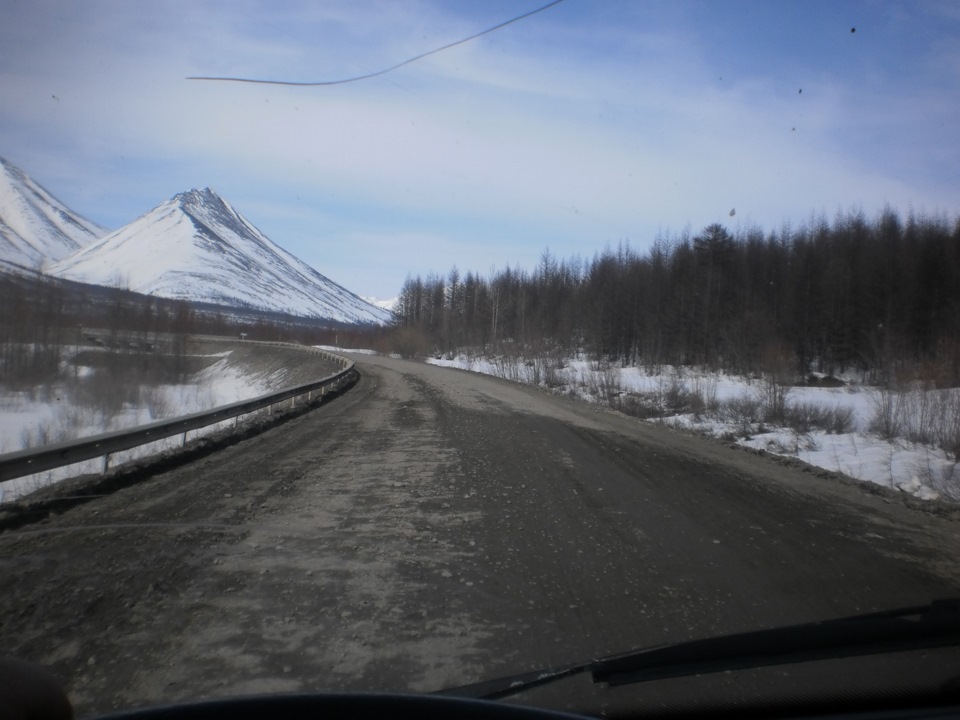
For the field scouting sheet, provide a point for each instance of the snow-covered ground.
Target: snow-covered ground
(38, 417)
(922, 470)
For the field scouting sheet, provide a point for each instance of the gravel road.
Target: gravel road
(431, 528)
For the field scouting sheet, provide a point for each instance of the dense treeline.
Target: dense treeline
(40, 317)
(881, 295)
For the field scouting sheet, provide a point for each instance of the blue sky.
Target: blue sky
(593, 122)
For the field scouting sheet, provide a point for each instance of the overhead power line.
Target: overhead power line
(385, 70)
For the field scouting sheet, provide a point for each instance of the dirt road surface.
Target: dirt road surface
(432, 528)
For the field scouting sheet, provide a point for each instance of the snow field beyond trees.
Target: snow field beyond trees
(864, 432)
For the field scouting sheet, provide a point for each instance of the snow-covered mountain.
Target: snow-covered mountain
(35, 227)
(196, 247)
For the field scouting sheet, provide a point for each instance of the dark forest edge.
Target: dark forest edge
(879, 297)
(42, 319)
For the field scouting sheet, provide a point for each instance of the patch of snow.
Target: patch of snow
(898, 465)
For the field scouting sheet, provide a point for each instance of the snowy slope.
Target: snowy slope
(197, 247)
(35, 227)
(389, 304)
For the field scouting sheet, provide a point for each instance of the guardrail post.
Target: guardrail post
(106, 463)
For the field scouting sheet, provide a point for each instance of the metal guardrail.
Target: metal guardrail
(27, 462)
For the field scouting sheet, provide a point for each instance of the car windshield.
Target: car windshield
(376, 346)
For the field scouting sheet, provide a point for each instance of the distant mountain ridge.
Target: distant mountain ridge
(193, 247)
(35, 227)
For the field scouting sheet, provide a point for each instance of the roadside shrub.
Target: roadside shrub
(919, 413)
(608, 386)
(643, 406)
(743, 410)
(772, 394)
(508, 368)
(806, 417)
(697, 404)
(676, 395)
(778, 376)
(932, 417)
(841, 420)
(552, 365)
(886, 420)
(707, 388)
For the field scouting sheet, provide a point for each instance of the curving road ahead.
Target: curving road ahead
(433, 528)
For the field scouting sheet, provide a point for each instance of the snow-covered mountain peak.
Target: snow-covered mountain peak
(35, 227)
(197, 247)
(205, 199)
(194, 196)
(208, 209)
